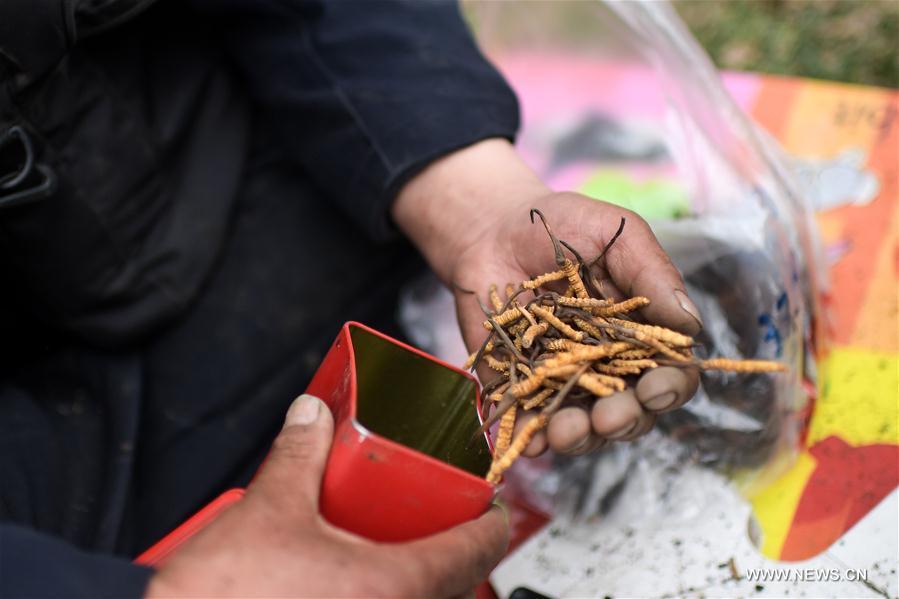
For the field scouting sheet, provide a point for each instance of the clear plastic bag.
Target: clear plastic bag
(619, 102)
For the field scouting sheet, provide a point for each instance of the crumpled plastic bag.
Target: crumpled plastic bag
(620, 102)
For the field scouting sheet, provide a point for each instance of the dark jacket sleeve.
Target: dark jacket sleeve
(364, 93)
(35, 565)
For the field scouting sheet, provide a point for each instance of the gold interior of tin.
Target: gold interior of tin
(418, 403)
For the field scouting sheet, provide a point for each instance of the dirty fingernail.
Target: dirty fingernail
(503, 507)
(577, 446)
(688, 306)
(660, 402)
(304, 410)
(624, 431)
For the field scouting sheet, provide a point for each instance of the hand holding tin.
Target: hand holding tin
(275, 543)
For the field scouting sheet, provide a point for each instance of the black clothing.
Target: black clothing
(146, 131)
(222, 181)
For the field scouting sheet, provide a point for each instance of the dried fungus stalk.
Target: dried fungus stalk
(579, 346)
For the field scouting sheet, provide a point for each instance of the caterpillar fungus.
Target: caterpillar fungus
(581, 348)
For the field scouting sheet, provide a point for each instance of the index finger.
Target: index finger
(457, 560)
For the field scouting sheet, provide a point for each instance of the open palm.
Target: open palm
(514, 250)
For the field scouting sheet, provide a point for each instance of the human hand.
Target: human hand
(469, 213)
(274, 542)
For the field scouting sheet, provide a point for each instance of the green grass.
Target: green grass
(856, 41)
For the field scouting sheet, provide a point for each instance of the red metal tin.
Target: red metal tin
(377, 483)
(404, 462)
(161, 550)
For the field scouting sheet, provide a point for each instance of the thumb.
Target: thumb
(290, 478)
(639, 266)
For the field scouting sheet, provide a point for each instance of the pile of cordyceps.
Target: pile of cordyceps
(570, 346)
